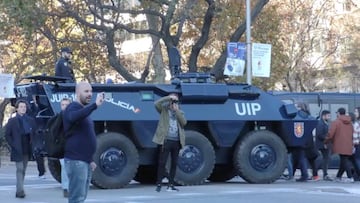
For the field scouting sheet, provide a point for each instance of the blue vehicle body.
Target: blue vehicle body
(233, 129)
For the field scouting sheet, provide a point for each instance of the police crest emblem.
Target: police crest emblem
(299, 129)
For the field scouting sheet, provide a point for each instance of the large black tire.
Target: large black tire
(117, 160)
(55, 169)
(196, 161)
(222, 173)
(146, 174)
(260, 157)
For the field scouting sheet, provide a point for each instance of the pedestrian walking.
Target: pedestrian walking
(170, 137)
(81, 142)
(20, 133)
(354, 166)
(356, 143)
(312, 154)
(321, 132)
(340, 135)
(298, 152)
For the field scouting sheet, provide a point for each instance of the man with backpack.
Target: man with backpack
(80, 142)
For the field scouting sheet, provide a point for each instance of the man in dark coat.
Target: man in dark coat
(63, 65)
(322, 130)
(20, 133)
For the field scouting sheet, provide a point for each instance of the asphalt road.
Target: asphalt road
(236, 190)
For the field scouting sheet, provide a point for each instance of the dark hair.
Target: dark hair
(325, 112)
(20, 101)
(341, 111)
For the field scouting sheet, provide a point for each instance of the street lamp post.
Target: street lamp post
(248, 43)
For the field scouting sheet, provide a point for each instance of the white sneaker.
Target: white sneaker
(42, 177)
(348, 180)
(171, 188)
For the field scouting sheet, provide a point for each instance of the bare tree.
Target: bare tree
(311, 39)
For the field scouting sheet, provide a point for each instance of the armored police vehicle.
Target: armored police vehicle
(318, 101)
(232, 129)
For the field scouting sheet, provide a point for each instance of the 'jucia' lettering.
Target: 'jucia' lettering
(58, 97)
(245, 108)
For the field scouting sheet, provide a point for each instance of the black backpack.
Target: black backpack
(55, 137)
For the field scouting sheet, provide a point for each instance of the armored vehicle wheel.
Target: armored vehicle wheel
(222, 173)
(55, 169)
(260, 157)
(196, 161)
(117, 160)
(146, 174)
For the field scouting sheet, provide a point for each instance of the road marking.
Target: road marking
(189, 194)
(33, 186)
(141, 197)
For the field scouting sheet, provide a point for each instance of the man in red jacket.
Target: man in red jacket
(340, 134)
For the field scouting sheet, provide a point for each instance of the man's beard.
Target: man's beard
(85, 101)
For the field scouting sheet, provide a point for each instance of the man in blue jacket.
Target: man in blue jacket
(81, 143)
(20, 134)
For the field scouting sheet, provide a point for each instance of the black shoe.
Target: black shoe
(171, 188)
(302, 179)
(158, 188)
(20, 194)
(66, 194)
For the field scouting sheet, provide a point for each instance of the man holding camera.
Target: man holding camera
(170, 136)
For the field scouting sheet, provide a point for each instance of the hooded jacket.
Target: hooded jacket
(340, 134)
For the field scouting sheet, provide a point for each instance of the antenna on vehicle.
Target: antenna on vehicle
(319, 101)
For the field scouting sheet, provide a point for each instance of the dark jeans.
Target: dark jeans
(40, 165)
(311, 155)
(299, 161)
(345, 165)
(353, 165)
(325, 162)
(170, 147)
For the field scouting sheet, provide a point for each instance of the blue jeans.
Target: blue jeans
(64, 176)
(290, 166)
(79, 174)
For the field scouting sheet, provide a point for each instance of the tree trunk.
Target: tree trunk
(157, 59)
